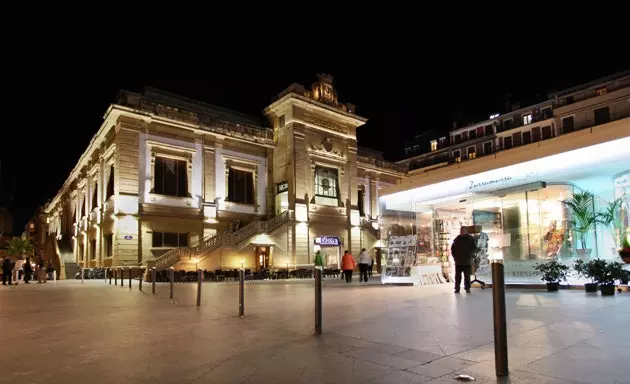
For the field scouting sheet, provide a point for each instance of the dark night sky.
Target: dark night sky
(62, 98)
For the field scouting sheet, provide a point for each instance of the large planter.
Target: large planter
(584, 254)
(607, 289)
(625, 256)
(591, 287)
(552, 287)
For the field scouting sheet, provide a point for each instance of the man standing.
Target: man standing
(7, 270)
(364, 264)
(463, 249)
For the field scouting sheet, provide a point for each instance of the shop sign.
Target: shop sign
(330, 241)
(282, 187)
(475, 184)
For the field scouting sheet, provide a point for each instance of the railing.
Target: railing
(213, 242)
(381, 163)
(367, 225)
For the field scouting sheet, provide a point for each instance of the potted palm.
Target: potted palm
(606, 277)
(583, 219)
(624, 252)
(588, 270)
(19, 247)
(611, 218)
(552, 273)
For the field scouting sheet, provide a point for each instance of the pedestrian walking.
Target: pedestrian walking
(348, 265)
(364, 264)
(463, 249)
(319, 260)
(371, 268)
(7, 270)
(18, 270)
(28, 271)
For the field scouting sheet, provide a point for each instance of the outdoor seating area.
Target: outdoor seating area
(220, 275)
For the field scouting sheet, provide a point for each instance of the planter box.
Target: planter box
(608, 289)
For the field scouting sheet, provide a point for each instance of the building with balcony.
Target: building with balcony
(506, 179)
(169, 181)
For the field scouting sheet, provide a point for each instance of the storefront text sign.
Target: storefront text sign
(474, 184)
(330, 241)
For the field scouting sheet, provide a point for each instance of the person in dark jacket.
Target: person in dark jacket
(28, 271)
(7, 270)
(463, 249)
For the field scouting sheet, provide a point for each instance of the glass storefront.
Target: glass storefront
(523, 226)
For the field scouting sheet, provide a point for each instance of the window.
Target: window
(527, 138)
(169, 239)
(487, 147)
(93, 249)
(507, 124)
(326, 182)
(457, 155)
(568, 124)
(546, 132)
(281, 121)
(464, 136)
(479, 131)
(569, 100)
(489, 130)
(458, 138)
(536, 134)
(95, 196)
(110, 183)
(602, 115)
(433, 145)
(601, 91)
(527, 119)
(240, 186)
(109, 244)
(472, 134)
(507, 142)
(546, 113)
(83, 204)
(471, 152)
(361, 202)
(170, 177)
(516, 139)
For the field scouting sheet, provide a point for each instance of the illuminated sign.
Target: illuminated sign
(328, 241)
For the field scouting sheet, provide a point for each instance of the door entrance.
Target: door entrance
(262, 257)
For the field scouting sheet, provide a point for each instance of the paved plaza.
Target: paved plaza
(97, 333)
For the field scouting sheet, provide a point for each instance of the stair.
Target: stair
(71, 270)
(212, 243)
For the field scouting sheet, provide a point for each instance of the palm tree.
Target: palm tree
(610, 217)
(19, 246)
(583, 216)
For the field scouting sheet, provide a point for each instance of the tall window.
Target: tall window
(546, 132)
(487, 147)
(110, 183)
(83, 204)
(527, 137)
(361, 202)
(95, 196)
(602, 115)
(326, 182)
(169, 239)
(170, 177)
(109, 244)
(240, 186)
(507, 142)
(527, 119)
(568, 124)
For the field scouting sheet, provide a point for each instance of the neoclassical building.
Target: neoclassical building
(170, 181)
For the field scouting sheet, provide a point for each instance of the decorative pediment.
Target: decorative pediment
(327, 148)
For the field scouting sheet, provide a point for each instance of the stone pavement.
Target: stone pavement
(99, 333)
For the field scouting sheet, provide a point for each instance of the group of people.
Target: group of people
(348, 265)
(14, 270)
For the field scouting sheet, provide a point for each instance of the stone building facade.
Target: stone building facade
(169, 181)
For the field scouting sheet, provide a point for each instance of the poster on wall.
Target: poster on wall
(401, 256)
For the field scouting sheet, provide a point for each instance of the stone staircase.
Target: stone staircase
(212, 243)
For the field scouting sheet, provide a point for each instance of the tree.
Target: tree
(19, 246)
(583, 216)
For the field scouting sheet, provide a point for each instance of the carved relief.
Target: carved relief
(327, 148)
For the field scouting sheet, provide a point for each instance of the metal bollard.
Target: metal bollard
(500, 327)
(106, 276)
(82, 273)
(130, 277)
(318, 300)
(199, 281)
(241, 293)
(141, 278)
(55, 277)
(115, 277)
(153, 277)
(171, 273)
(122, 277)
(110, 276)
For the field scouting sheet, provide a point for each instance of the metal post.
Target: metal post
(55, 276)
(105, 276)
(82, 273)
(500, 327)
(199, 281)
(141, 276)
(115, 277)
(110, 276)
(130, 277)
(171, 273)
(122, 277)
(153, 277)
(241, 292)
(318, 300)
